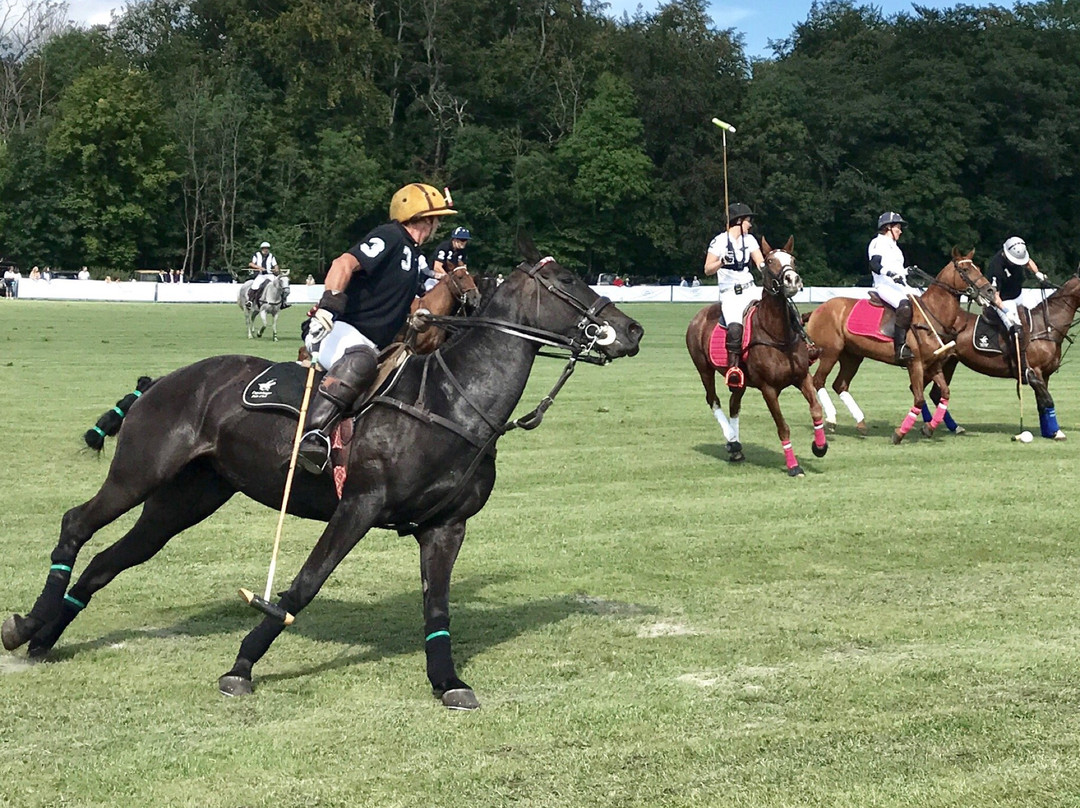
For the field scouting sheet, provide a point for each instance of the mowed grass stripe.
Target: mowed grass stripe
(644, 623)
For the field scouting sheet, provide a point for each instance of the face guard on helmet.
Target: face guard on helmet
(416, 201)
(1016, 251)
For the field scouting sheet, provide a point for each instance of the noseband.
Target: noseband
(594, 329)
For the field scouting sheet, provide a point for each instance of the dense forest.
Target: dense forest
(187, 131)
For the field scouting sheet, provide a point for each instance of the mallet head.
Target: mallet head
(724, 125)
(266, 607)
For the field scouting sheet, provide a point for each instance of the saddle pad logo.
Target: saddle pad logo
(263, 391)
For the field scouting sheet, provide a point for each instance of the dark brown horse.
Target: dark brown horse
(936, 322)
(1044, 334)
(455, 293)
(775, 358)
(422, 461)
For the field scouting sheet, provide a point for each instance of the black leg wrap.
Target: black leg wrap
(440, 662)
(45, 638)
(47, 606)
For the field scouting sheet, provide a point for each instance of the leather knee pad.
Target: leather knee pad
(351, 375)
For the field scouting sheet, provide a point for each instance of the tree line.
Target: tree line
(187, 131)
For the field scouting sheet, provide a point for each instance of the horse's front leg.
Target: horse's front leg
(817, 414)
(916, 371)
(353, 518)
(783, 431)
(439, 548)
(942, 408)
(262, 328)
(734, 447)
(275, 316)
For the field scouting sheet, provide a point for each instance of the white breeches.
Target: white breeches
(260, 281)
(430, 283)
(734, 305)
(1008, 313)
(892, 292)
(341, 337)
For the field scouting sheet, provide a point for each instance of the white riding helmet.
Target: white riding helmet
(1016, 251)
(264, 244)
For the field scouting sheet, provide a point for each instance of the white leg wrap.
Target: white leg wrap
(734, 437)
(827, 405)
(853, 408)
(725, 425)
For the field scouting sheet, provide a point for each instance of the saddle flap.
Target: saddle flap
(988, 334)
(718, 353)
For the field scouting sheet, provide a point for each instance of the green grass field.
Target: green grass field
(645, 624)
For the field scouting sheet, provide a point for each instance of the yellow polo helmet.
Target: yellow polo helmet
(418, 200)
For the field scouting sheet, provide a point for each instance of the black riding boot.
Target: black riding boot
(1016, 333)
(734, 378)
(285, 298)
(901, 324)
(346, 381)
(253, 297)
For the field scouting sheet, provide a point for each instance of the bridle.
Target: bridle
(456, 285)
(777, 284)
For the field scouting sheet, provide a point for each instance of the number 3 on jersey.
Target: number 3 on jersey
(373, 247)
(406, 258)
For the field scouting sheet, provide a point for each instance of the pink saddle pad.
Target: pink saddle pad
(865, 321)
(718, 341)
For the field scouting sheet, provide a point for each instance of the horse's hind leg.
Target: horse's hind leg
(849, 366)
(275, 326)
(439, 548)
(132, 478)
(186, 500)
(826, 362)
(262, 328)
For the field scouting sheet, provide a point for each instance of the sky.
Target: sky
(758, 20)
(762, 20)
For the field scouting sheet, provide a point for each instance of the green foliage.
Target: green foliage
(546, 115)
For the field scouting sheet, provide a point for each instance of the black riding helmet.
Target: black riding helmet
(738, 210)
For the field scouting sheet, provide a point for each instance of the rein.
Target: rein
(594, 331)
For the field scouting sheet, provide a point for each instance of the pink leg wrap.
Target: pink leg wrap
(789, 455)
(939, 413)
(909, 420)
(819, 433)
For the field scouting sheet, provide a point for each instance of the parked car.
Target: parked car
(214, 276)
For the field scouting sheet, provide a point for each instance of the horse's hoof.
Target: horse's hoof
(830, 427)
(819, 451)
(461, 698)
(1059, 435)
(12, 632)
(959, 430)
(862, 429)
(231, 685)
(897, 436)
(927, 431)
(735, 454)
(796, 471)
(275, 339)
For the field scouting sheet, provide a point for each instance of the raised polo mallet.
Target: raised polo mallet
(942, 346)
(263, 604)
(725, 127)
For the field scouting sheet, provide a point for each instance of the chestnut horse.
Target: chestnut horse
(940, 303)
(456, 292)
(776, 357)
(1048, 329)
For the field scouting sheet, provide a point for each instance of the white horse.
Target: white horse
(271, 297)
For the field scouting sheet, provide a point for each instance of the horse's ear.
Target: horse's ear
(790, 244)
(971, 254)
(527, 248)
(765, 248)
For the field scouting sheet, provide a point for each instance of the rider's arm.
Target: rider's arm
(758, 259)
(712, 264)
(341, 271)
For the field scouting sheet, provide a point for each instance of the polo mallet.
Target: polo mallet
(942, 347)
(1024, 436)
(725, 128)
(263, 604)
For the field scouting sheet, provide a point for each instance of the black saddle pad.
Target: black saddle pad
(988, 335)
(279, 387)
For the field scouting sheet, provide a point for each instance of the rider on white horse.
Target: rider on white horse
(265, 265)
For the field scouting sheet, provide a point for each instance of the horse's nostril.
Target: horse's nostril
(636, 332)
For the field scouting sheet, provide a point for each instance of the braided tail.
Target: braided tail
(109, 423)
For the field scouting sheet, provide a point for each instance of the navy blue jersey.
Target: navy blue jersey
(382, 289)
(450, 257)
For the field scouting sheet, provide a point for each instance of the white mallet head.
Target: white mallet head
(724, 125)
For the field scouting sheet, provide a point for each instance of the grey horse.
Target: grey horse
(270, 302)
